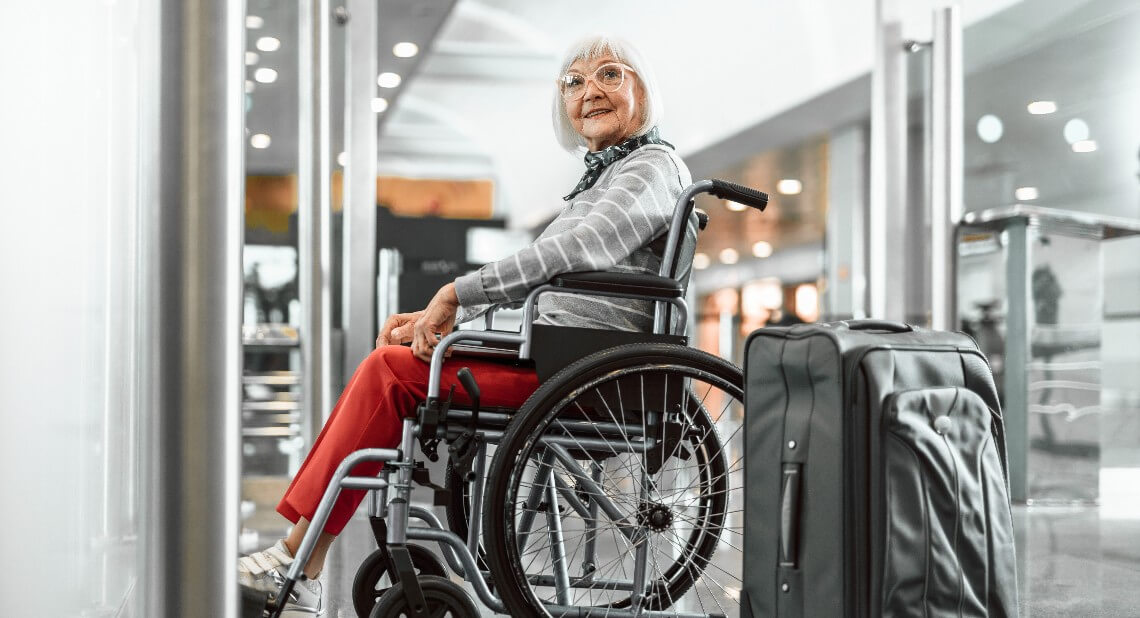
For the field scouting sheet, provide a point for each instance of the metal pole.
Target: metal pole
(946, 165)
(1015, 374)
(193, 286)
(360, 185)
(886, 212)
(313, 210)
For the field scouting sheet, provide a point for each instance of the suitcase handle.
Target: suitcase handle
(790, 515)
(887, 325)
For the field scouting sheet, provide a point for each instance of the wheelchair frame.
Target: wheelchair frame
(390, 517)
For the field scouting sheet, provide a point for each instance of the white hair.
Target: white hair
(593, 47)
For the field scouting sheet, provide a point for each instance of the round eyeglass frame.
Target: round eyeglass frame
(593, 76)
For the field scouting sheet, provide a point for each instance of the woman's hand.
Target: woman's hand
(438, 317)
(397, 329)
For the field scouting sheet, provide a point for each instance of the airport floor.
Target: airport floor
(1072, 562)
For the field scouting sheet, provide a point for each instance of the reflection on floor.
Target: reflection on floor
(1072, 563)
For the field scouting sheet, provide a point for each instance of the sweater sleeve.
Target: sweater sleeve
(636, 208)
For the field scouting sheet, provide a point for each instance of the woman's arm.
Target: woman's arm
(635, 209)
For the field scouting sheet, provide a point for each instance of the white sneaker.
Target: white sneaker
(265, 570)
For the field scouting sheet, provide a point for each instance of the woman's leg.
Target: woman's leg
(385, 389)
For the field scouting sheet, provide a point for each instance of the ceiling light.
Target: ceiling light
(1024, 194)
(265, 75)
(405, 49)
(268, 44)
(251, 58)
(250, 86)
(388, 80)
(1038, 108)
(789, 186)
(989, 128)
(379, 104)
(1085, 145)
(729, 256)
(253, 22)
(734, 206)
(342, 159)
(1076, 130)
(700, 261)
(762, 249)
(260, 140)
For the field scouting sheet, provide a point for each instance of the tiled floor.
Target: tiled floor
(1072, 563)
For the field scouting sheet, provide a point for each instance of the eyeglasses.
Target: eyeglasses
(609, 77)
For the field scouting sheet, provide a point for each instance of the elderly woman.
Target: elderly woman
(606, 103)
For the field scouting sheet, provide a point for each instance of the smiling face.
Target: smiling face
(606, 118)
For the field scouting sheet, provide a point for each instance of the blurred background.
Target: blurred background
(340, 160)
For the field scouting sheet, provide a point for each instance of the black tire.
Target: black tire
(520, 447)
(373, 580)
(458, 509)
(444, 598)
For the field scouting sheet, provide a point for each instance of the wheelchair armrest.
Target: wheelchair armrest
(621, 283)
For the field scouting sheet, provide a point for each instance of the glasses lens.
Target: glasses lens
(610, 76)
(572, 85)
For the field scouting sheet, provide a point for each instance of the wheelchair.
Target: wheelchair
(615, 490)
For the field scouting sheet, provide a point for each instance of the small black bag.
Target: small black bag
(877, 482)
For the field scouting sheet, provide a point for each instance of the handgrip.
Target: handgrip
(469, 385)
(748, 196)
(887, 325)
(790, 515)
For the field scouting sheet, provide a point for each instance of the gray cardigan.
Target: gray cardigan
(618, 225)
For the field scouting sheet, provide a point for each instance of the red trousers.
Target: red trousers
(385, 389)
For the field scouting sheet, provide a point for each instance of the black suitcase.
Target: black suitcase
(876, 474)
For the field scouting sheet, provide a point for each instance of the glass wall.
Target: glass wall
(1051, 123)
(75, 174)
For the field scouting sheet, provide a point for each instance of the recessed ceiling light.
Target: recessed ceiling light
(762, 249)
(729, 256)
(250, 86)
(1085, 145)
(379, 104)
(253, 22)
(388, 80)
(734, 206)
(260, 140)
(700, 261)
(789, 186)
(1024, 194)
(1076, 130)
(251, 57)
(1038, 108)
(342, 159)
(268, 44)
(405, 49)
(265, 75)
(989, 128)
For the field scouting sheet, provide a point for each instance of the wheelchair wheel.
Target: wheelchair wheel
(444, 599)
(459, 508)
(624, 468)
(373, 578)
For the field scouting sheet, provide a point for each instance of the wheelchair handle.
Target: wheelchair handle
(748, 196)
(720, 188)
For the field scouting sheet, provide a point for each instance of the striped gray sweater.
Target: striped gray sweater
(618, 225)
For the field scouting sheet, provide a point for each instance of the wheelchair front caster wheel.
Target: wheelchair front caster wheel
(373, 578)
(444, 598)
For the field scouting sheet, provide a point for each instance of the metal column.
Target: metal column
(886, 212)
(945, 165)
(1016, 378)
(192, 243)
(360, 185)
(313, 211)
